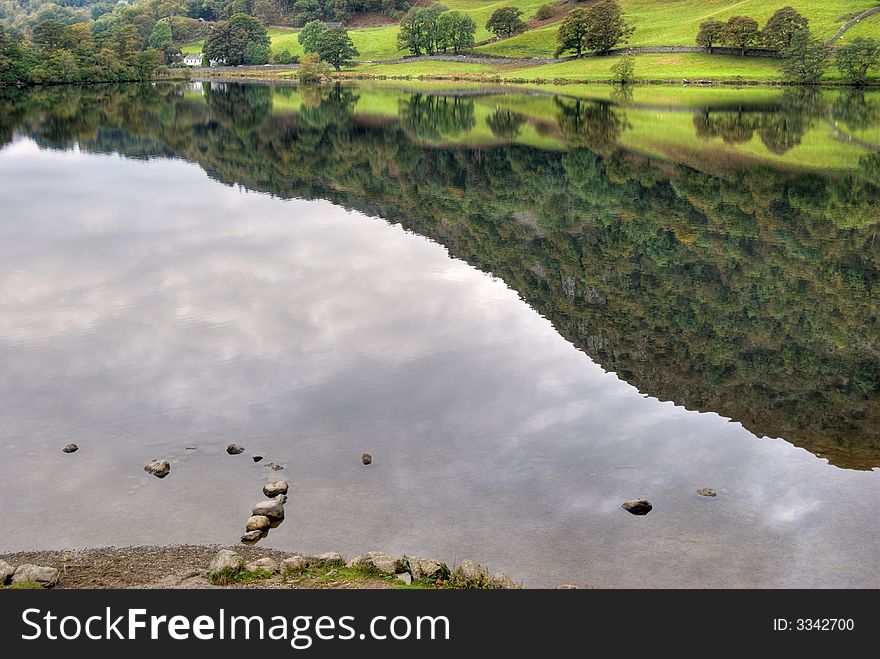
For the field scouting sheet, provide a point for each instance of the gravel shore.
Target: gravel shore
(178, 566)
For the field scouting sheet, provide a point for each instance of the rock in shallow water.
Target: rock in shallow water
(637, 506)
(250, 537)
(257, 458)
(273, 509)
(71, 448)
(159, 468)
(274, 467)
(257, 523)
(707, 492)
(234, 449)
(367, 459)
(45, 576)
(272, 490)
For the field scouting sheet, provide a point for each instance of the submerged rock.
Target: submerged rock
(45, 576)
(472, 574)
(637, 506)
(251, 536)
(257, 458)
(6, 571)
(266, 563)
(159, 468)
(257, 523)
(274, 467)
(272, 490)
(71, 448)
(225, 559)
(234, 449)
(367, 459)
(707, 492)
(273, 509)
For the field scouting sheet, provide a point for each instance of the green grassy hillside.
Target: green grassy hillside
(657, 23)
(676, 22)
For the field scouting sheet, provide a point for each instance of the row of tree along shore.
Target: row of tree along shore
(53, 52)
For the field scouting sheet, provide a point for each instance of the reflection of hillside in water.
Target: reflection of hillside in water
(744, 289)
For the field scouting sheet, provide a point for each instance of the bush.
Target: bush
(257, 53)
(312, 69)
(284, 57)
(544, 12)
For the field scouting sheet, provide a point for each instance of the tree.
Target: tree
(335, 47)
(710, 33)
(306, 11)
(623, 71)
(146, 63)
(256, 31)
(606, 27)
(572, 32)
(505, 22)
(419, 30)
(456, 31)
(781, 26)
(241, 7)
(806, 59)
(309, 36)
(740, 32)
(49, 34)
(268, 11)
(257, 53)
(854, 59)
(161, 36)
(228, 41)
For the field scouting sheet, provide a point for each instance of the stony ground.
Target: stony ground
(183, 566)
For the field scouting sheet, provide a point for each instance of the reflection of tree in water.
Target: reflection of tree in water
(243, 106)
(622, 94)
(689, 283)
(779, 129)
(437, 117)
(596, 126)
(732, 127)
(505, 124)
(324, 106)
(852, 109)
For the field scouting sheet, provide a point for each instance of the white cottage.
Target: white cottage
(193, 60)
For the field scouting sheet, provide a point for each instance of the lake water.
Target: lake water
(528, 308)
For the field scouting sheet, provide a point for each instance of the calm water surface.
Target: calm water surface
(187, 267)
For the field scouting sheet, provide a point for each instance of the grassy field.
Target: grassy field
(672, 67)
(666, 22)
(868, 28)
(676, 22)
